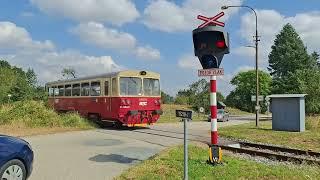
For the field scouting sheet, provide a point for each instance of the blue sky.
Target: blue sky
(106, 35)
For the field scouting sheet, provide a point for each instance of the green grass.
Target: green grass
(35, 114)
(308, 140)
(169, 113)
(235, 111)
(169, 165)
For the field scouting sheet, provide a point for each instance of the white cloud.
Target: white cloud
(167, 16)
(308, 25)
(108, 38)
(116, 12)
(189, 61)
(101, 36)
(270, 23)
(13, 37)
(147, 53)
(48, 65)
(242, 69)
(244, 51)
(44, 59)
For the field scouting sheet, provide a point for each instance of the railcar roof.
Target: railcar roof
(110, 74)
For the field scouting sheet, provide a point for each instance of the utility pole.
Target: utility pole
(257, 107)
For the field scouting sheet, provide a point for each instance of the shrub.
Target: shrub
(36, 114)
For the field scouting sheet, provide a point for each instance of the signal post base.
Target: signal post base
(215, 155)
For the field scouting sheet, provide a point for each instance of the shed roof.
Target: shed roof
(287, 95)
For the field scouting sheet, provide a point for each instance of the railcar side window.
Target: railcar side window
(106, 88)
(50, 91)
(95, 89)
(56, 91)
(130, 86)
(76, 90)
(151, 87)
(61, 90)
(85, 89)
(67, 90)
(114, 86)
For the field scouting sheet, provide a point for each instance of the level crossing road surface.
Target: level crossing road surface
(105, 153)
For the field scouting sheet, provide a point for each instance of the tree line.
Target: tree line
(17, 84)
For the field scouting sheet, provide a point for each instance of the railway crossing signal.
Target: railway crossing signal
(211, 43)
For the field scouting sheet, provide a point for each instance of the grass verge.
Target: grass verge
(34, 116)
(235, 111)
(308, 140)
(169, 165)
(169, 113)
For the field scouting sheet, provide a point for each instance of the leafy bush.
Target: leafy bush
(36, 114)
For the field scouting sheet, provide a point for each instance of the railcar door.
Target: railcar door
(107, 99)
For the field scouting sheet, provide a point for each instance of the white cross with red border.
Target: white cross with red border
(211, 20)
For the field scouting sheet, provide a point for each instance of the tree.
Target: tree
(166, 98)
(183, 100)
(8, 80)
(31, 77)
(308, 83)
(315, 57)
(287, 56)
(245, 83)
(68, 73)
(197, 95)
(20, 84)
(293, 70)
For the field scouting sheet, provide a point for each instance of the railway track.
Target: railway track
(276, 153)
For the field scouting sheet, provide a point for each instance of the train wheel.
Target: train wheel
(118, 125)
(96, 119)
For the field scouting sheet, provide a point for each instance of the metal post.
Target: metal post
(257, 108)
(257, 73)
(185, 149)
(213, 108)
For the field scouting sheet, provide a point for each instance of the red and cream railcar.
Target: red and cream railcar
(130, 98)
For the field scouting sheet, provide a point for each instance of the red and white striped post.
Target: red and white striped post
(213, 108)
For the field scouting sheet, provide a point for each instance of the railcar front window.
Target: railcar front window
(151, 87)
(130, 86)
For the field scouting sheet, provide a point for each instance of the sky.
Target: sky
(99, 36)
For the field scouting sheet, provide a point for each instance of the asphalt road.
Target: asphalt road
(105, 153)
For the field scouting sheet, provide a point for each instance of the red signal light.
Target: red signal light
(220, 44)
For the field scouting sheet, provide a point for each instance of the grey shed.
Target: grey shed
(288, 112)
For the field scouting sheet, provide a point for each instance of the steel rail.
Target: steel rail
(275, 155)
(282, 149)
